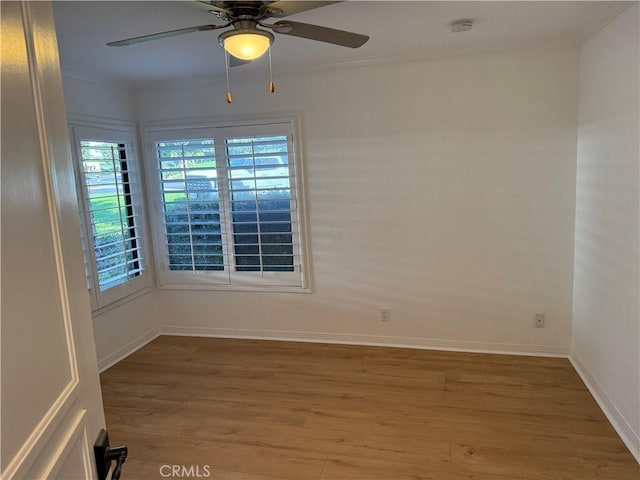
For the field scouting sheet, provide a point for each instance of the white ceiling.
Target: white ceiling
(399, 30)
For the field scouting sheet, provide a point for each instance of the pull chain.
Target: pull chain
(226, 67)
(272, 86)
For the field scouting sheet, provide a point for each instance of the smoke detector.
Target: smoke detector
(463, 25)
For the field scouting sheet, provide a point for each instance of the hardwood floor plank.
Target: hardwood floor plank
(609, 448)
(418, 431)
(356, 468)
(269, 461)
(269, 434)
(153, 423)
(266, 410)
(503, 461)
(246, 411)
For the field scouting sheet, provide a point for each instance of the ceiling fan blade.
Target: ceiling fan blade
(236, 62)
(321, 34)
(170, 33)
(291, 8)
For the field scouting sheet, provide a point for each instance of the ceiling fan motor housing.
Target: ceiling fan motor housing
(246, 10)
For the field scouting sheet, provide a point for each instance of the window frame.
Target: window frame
(120, 133)
(229, 279)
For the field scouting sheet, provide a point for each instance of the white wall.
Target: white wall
(122, 329)
(606, 315)
(98, 99)
(443, 191)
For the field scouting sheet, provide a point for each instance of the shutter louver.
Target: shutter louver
(112, 212)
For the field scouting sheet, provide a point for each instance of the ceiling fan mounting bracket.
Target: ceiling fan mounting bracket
(246, 15)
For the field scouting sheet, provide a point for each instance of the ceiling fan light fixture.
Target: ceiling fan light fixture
(246, 45)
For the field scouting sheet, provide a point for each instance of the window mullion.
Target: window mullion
(294, 204)
(224, 203)
(188, 205)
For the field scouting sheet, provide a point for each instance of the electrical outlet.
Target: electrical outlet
(538, 320)
(384, 315)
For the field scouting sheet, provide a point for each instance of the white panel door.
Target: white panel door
(51, 403)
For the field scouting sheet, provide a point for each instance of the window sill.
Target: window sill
(237, 288)
(122, 301)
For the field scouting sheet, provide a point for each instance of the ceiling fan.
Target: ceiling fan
(245, 41)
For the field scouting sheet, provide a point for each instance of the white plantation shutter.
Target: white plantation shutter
(190, 205)
(87, 254)
(263, 203)
(112, 213)
(228, 206)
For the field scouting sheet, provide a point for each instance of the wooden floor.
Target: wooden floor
(242, 409)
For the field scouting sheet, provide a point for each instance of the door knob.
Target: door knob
(106, 454)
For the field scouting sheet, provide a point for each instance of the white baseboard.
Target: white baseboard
(127, 350)
(617, 420)
(373, 340)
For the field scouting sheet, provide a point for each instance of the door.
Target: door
(51, 403)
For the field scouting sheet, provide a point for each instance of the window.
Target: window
(228, 212)
(106, 173)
